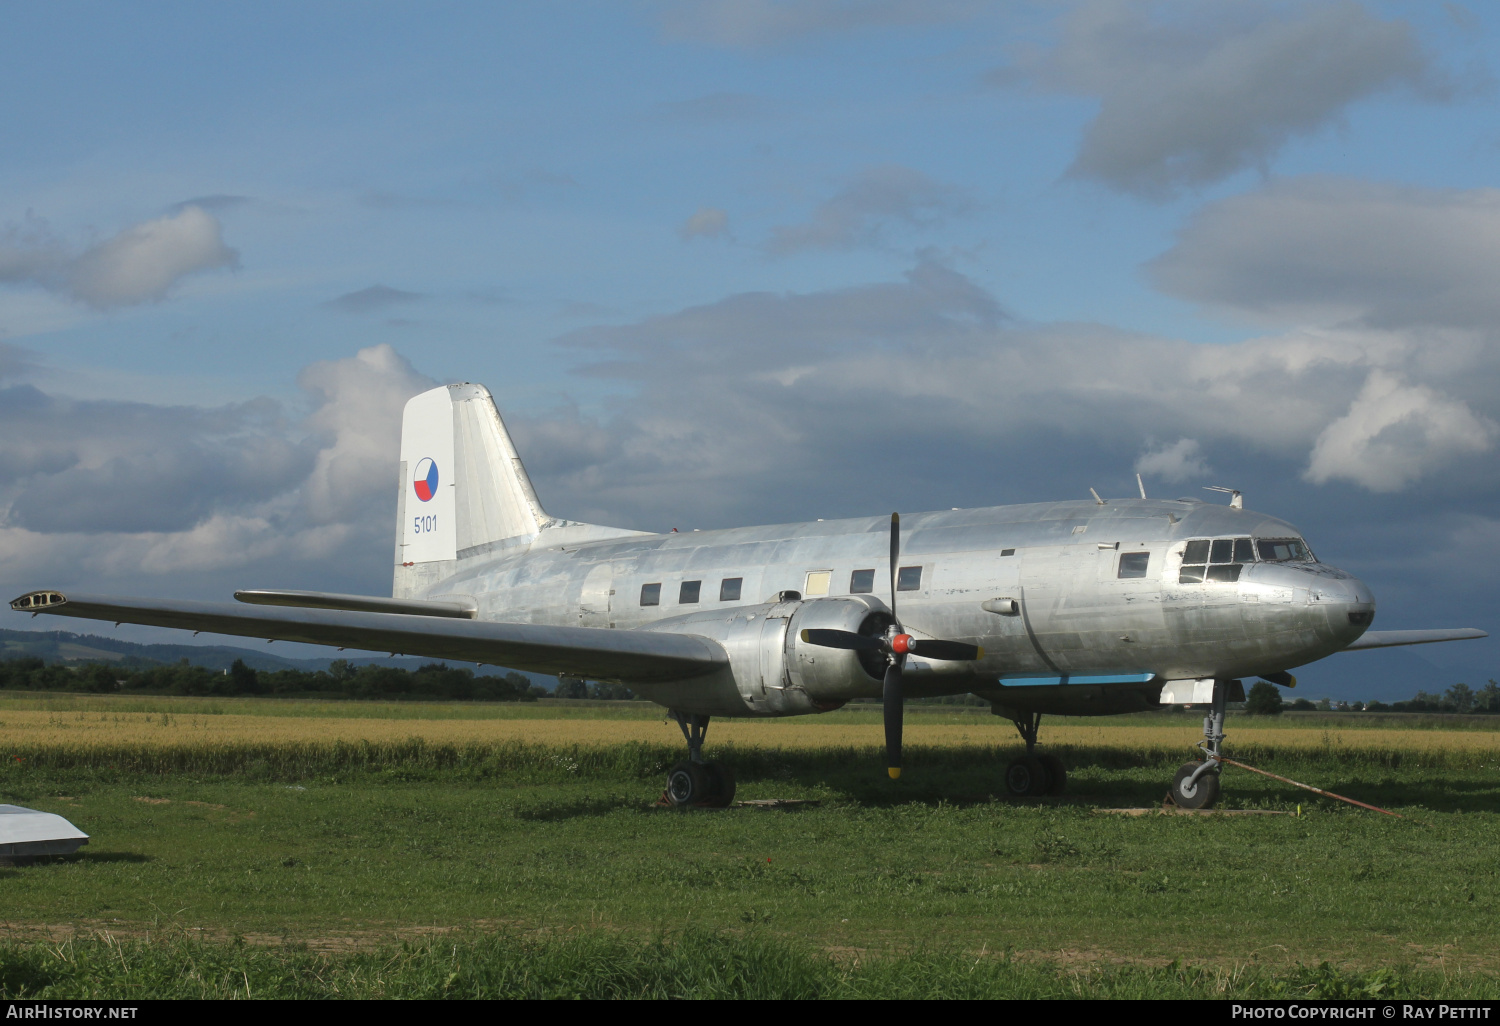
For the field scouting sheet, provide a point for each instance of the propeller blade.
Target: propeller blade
(894, 711)
(843, 639)
(954, 650)
(895, 558)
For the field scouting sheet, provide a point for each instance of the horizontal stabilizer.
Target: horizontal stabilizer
(458, 607)
(1390, 639)
(592, 653)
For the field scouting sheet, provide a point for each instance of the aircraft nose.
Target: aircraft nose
(1349, 605)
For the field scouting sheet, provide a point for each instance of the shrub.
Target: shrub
(1263, 700)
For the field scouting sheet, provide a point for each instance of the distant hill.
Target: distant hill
(66, 647)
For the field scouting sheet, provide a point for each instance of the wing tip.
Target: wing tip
(38, 601)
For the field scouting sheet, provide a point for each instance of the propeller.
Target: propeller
(895, 644)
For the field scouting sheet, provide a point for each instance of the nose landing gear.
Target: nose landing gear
(1196, 785)
(694, 782)
(1033, 775)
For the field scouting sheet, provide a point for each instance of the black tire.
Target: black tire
(1026, 777)
(723, 786)
(1057, 773)
(1203, 793)
(689, 783)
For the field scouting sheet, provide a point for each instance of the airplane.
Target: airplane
(1071, 608)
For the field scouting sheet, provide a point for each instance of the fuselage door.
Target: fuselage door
(596, 596)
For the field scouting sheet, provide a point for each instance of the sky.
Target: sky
(726, 262)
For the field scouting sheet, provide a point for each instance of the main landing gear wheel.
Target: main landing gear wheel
(1057, 774)
(1027, 777)
(1197, 794)
(1033, 775)
(694, 782)
(701, 784)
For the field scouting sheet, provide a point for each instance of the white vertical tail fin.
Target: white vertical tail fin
(463, 490)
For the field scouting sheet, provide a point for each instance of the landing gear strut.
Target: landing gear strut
(693, 781)
(1033, 775)
(1196, 785)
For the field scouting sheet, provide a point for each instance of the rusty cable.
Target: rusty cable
(1309, 787)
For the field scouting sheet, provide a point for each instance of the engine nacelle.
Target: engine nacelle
(835, 674)
(772, 672)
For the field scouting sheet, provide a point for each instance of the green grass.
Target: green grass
(695, 964)
(423, 869)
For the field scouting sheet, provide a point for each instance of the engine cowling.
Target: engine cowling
(831, 674)
(771, 671)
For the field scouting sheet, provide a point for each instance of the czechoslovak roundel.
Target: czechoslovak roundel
(425, 481)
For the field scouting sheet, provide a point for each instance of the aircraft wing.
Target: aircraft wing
(1389, 639)
(594, 653)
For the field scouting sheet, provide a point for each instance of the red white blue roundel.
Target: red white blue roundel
(425, 481)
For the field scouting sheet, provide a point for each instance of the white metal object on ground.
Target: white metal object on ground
(25, 832)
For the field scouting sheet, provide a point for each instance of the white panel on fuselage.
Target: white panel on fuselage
(429, 531)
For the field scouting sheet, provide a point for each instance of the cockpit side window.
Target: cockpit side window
(1284, 550)
(1217, 560)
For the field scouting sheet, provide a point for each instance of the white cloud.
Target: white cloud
(372, 299)
(358, 420)
(129, 491)
(1394, 433)
(858, 214)
(762, 406)
(140, 264)
(1178, 462)
(706, 223)
(1193, 93)
(1324, 250)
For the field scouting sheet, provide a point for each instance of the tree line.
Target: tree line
(441, 681)
(340, 680)
(1265, 700)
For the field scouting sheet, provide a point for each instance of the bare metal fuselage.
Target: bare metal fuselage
(1083, 639)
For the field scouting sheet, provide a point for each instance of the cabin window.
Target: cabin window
(651, 594)
(1196, 552)
(1244, 552)
(817, 582)
(1284, 550)
(1223, 551)
(729, 589)
(1227, 574)
(688, 592)
(1007, 552)
(862, 582)
(909, 578)
(1133, 564)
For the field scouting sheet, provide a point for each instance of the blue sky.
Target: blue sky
(724, 263)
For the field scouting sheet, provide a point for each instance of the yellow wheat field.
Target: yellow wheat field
(84, 729)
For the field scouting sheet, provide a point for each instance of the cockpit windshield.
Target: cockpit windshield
(1284, 550)
(1222, 559)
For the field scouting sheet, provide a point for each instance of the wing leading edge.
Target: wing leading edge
(595, 653)
(1390, 639)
